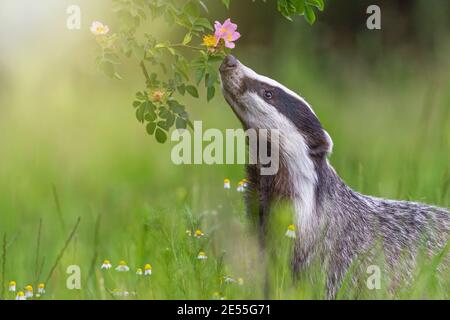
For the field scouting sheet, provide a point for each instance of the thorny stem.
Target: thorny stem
(144, 71)
(144, 68)
(185, 46)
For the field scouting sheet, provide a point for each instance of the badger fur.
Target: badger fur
(335, 224)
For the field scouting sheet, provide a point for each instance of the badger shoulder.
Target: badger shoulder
(405, 224)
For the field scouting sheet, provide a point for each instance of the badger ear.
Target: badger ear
(329, 142)
(325, 147)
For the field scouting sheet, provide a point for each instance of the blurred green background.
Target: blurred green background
(70, 145)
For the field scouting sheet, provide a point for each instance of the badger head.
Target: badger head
(262, 103)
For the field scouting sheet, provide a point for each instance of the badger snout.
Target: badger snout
(232, 75)
(229, 63)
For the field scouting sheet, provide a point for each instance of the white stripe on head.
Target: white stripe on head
(253, 75)
(294, 154)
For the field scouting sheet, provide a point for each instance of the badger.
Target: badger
(335, 224)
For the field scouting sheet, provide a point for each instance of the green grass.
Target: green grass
(70, 147)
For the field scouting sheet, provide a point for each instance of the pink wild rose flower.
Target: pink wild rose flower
(227, 32)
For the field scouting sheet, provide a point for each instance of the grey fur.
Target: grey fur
(344, 227)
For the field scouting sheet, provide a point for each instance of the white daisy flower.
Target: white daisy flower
(99, 29)
(202, 255)
(121, 293)
(290, 233)
(198, 233)
(12, 286)
(240, 187)
(41, 288)
(106, 264)
(122, 267)
(227, 279)
(21, 296)
(226, 184)
(28, 291)
(139, 272)
(148, 269)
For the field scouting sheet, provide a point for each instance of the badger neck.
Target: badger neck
(311, 181)
(302, 180)
(313, 195)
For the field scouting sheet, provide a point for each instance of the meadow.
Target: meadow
(71, 148)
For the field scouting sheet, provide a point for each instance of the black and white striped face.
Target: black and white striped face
(262, 103)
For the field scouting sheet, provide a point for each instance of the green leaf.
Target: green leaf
(165, 46)
(150, 116)
(139, 52)
(299, 6)
(182, 89)
(151, 126)
(226, 3)
(212, 59)
(140, 112)
(108, 68)
(192, 9)
(187, 38)
(319, 4)
(210, 92)
(111, 57)
(149, 106)
(140, 96)
(160, 135)
(170, 121)
(203, 5)
(203, 22)
(211, 78)
(163, 112)
(310, 15)
(199, 74)
(175, 107)
(181, 123)
(192, 91)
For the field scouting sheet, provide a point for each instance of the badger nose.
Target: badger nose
(230, 62)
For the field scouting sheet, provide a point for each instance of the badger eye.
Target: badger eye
(268, 94)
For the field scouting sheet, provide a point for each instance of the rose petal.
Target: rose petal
(235, 36)
(229, 44)
(217, 25)
(230, 26)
